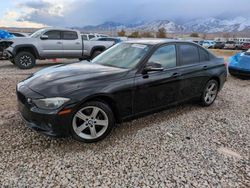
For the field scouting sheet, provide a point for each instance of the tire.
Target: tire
(210, 93)
(95, 53)
(82, 59)
(12, 61)
(85, 126)
(25, 60)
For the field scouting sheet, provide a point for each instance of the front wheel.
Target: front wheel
(25, 60)
(92, 122)
(210, 93)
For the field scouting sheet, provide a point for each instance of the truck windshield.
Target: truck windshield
(124, 55)
(37, 33)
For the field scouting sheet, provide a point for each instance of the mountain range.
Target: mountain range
(207, 25)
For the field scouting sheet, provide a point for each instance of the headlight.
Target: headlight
(50, 103)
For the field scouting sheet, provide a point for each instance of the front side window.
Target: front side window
(166, 56)
(123, 55)
(188, 54)
(70, 35)
(54, 35)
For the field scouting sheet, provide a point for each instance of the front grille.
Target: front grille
(21, 97)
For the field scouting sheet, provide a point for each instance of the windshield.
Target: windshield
(37, 33)
(124, 55)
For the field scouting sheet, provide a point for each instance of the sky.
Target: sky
(72, 13)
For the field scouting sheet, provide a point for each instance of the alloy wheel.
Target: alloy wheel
(211, 93)
(25, 60)
(90, 122)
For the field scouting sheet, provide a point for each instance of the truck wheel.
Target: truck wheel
(25, 60)
(96, 53)
(12, 61)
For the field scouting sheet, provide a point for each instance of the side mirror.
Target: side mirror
(44, 37)
(152, 66)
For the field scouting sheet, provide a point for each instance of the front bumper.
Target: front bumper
(44, 121)
(239, 72)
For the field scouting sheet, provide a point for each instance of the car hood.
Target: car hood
(64, 79)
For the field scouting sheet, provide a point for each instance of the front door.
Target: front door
(157, 89)
(52, 47)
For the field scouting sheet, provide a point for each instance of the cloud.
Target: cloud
(10, 19)
(85, 12)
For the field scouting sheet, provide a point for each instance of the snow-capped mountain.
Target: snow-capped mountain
(207, 25)
(106, 26)
(213, 25)
(169, 26)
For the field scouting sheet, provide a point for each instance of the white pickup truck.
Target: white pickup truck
(49, 43)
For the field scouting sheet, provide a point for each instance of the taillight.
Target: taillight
(225, 63)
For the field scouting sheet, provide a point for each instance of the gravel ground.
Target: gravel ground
(185, 146)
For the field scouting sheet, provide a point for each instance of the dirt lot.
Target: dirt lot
(186, 146)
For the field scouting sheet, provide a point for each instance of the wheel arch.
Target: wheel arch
(97, 48)
(107, 99)
(216, 79)
(28, 48)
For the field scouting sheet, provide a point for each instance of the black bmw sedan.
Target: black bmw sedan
(131, 79)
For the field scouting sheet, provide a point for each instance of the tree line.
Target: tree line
(161, 33)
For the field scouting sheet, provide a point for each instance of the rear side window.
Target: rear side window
(70, 35)
(166, 56)
(53, 35)
(204, 56)
(188, 54)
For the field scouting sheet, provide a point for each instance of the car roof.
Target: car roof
(58, 28)
(157, 41)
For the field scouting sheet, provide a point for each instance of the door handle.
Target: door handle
(59, 42)
(77, 42)
(176, 74)
(205, 67)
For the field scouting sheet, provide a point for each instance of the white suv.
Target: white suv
(208, 44)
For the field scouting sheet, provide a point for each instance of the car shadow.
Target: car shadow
(120, 132)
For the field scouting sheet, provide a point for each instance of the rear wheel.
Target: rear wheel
(12, 61)
(92, 122)
(25, 60)
(96, 53)
(210, 93)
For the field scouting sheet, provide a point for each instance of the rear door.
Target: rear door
(72, 45)
(194, 63)
(158, 89)
(51, 47)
